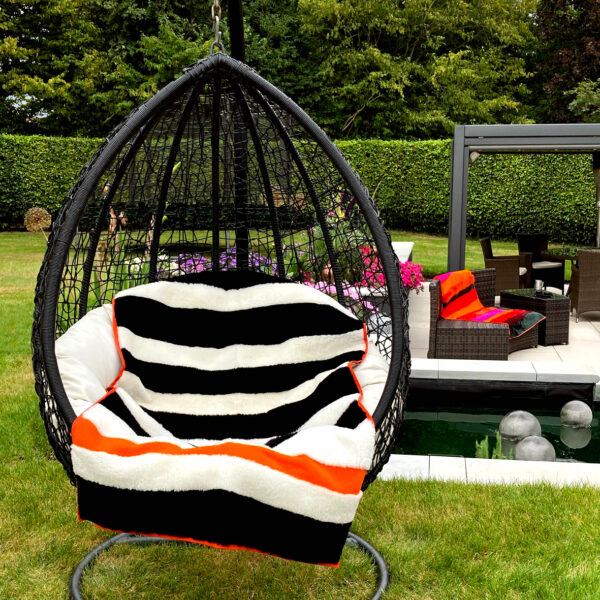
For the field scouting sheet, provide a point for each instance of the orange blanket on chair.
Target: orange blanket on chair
(461, 302)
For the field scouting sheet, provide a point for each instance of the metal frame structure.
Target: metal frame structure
(566, 138)
(353, 540)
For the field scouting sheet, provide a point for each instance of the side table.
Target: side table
(555, 328)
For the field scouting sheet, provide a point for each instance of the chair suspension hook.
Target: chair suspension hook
(215, 11)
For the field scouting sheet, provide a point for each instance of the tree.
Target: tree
(414, 68)
(78, 66)
(280, 51)
(568, 55)
(72, 67)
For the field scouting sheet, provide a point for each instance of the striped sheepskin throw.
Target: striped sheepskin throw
(460, 301)
(236, 419)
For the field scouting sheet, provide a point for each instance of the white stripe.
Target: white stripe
(161, 472)
(293, 351)
(151, 426)
(330, 413)
(328, 444)
(199, 295)
(217, 404)
(335, 446)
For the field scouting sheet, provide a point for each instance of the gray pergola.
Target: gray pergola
(563, 138)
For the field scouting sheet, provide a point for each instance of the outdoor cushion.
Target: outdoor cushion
(232, 411)
(546, 264)
(460, 301)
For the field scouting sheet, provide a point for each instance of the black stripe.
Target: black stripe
(114, 403)
(279, 439)
(169, 379)
(214, 329)
(353, 416)
(276, 422)
(213, 516)
(458, 295)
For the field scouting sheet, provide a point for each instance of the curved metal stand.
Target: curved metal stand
(127, 538)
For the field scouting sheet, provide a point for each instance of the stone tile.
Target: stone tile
(480, 470)
(567, 372)
(584, 331)
(424, 368)
(447, 468)
(539, 353)
(582, 352)
(493, 370)
(405, 466)
(418, 352)
(419, 337)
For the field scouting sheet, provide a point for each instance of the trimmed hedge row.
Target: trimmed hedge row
(38, 171)
(508, 193)
(409, 181)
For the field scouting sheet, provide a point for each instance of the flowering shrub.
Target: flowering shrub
(372, 273)
(412, 275)
(196, 263)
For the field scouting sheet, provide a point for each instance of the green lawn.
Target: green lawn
(442, 541)
(431, 252)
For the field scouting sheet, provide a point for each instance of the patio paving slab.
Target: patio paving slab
(480, 470)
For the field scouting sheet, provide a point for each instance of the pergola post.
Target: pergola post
(457, 229)
(564, 138)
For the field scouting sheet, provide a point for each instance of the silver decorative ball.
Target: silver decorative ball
(534, 447)
(519, 424)
(575, 437)
(576, 414)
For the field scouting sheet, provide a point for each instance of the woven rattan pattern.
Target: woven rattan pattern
(555, 329)
(585, 282)
(218, 171)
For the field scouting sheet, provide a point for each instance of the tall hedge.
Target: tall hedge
(508, 193)
(38, 171)
(410, 182)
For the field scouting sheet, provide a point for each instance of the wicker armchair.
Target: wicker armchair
(469, 340)
(551, 272)
(585, 282)
(511, 271)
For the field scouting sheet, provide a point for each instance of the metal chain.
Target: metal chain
(215, 11)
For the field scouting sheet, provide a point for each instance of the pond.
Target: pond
(456, 433)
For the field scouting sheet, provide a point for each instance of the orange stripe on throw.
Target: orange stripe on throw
(344, 480)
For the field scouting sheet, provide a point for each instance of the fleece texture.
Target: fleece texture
(239, 415)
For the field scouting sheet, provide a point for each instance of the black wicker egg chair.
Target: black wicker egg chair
(220, 171)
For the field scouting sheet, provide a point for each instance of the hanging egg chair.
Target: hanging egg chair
(218, 186)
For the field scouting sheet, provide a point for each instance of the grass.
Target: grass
(441, 540)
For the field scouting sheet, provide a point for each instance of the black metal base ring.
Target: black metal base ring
(354, 540)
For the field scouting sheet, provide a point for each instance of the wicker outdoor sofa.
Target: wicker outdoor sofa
(469, 340)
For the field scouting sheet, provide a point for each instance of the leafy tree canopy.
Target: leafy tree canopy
(414, 68)
(566, 56)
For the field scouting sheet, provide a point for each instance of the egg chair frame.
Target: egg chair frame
(219, 155)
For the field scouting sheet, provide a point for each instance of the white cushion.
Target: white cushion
(546, 264)
(88, 359)
(522, 271)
